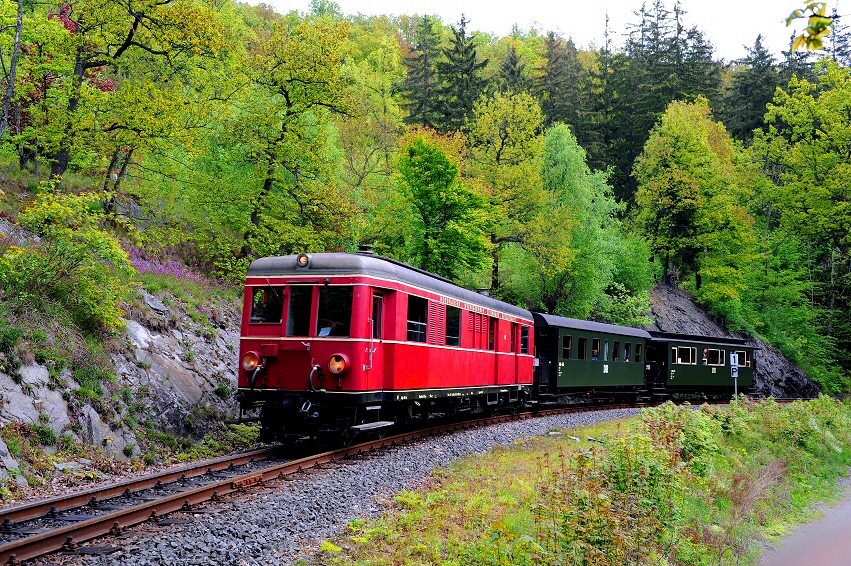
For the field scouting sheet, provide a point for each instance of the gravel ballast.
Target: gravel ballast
(272, 527)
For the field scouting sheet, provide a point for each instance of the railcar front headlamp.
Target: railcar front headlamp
(338, 363)
(250, 361)
(302, 260)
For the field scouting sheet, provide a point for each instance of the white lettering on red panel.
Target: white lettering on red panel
(478, 308)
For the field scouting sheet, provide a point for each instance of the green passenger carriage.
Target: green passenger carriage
(679, 363)
(579, 357)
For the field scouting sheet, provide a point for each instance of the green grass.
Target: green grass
(675, 486)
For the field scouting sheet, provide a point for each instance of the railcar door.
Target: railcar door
(374, 366)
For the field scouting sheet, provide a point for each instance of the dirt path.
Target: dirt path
(824, 542)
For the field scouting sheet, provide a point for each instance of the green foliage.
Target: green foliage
(808, 210)
(579, 261)
(75, 262)
(448, 216)
(222, 391)
(818, 27)
(692, 198)
(44, 434)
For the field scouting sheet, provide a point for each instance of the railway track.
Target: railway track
(63, 522)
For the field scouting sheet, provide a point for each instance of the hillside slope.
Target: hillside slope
(675, 310)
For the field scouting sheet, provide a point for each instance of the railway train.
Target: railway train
(338, 345)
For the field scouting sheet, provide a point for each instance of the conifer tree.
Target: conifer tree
(511, 72)
(839, 41)
(421, 85)
(558, 82)
(461, 82)
(754, 83)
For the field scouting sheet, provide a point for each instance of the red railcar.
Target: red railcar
(336, 344)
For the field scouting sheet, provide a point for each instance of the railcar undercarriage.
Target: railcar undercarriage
(329, 418)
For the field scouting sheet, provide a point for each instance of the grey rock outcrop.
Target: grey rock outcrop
(175, 373)
(675, 310)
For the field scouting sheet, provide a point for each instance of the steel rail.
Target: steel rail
(74, 499)
(12, 553)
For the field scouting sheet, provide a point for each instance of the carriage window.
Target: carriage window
(298, 313)
(417, 318)
(683, 355)
(595, 349)
(566, 346)
(377, 316)
(616, 351)
(267, 304)
(491, 333)
(606, 351)
(744, 359)
(335, 311)
(582, 350)
(626, 348)
(453, 326)
(512, 337)
(713, 357)
(638, 349)
(524, 339)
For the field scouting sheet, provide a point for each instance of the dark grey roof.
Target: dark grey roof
(335, 264)
(687, 338)
(574, 323)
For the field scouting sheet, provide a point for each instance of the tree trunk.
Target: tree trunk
(63, 156)
(832, 292)
(123, 172)
(255, 211)
(13, 68)
(112, 163)
(494, 264)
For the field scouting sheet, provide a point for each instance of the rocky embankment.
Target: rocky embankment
(675, 310)
(175, 372)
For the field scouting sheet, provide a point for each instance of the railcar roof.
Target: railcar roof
(575, 323)
(336, 264)
(687, 338)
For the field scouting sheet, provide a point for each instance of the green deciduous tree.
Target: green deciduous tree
(450, 218)
(505, 142)
(806, 151)
(691, 204)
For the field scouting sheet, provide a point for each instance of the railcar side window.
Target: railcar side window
(566, 346)
(606, 351)
(377, 317)
(335, 311)
(524, 339)
(512, 337)
(453, 326)
(491, 333)
(616, 351)
(417, 318)
(713, 357)
(638, 352)
(683, 355)
(298, 313)
(744, 358)
(267, 304)
(626, 348)
(582, 350)
(595, 348)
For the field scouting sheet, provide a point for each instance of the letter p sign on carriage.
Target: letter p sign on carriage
(734, 372)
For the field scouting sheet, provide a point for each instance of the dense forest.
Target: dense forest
(563, 179)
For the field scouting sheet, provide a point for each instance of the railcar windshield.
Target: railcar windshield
(335, 311)
(298, 313)
(267, 304)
